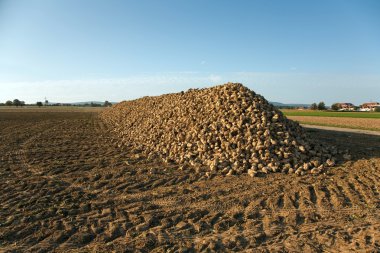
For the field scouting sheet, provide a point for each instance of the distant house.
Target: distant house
(346, 107)
(369, 106)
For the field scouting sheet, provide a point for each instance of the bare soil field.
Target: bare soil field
(355, 123)
(67, 187)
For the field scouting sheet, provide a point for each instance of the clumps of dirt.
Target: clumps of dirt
(228, 129)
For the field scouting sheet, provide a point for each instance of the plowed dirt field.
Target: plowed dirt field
(355, 123)
(65, 186)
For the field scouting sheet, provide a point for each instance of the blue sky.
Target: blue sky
(289, 51)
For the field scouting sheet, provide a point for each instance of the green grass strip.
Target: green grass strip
(369, 115)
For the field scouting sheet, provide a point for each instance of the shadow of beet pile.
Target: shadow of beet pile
(359, 146)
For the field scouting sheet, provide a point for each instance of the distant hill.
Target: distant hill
(81, 103)
(281, 105)
(88, 102)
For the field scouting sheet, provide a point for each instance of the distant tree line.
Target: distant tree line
(289, 107)
(17, 103)
(338, 106)
(335, 107)
(107, 104)
(320, 106)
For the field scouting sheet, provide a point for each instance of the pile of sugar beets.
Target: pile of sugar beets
(226, 129)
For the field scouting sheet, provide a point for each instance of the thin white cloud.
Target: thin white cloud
(114, 89)
(287, 87)
(290, 87)
(215, 78)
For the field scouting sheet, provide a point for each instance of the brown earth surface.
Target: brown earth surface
(361, 123)
(66, 187)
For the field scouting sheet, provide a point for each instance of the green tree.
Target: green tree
(377, 109)
(39, 104)
(321, 106)
(314, 106)
(17, 102)
(335, 106)
(8, 103)
(107, 104)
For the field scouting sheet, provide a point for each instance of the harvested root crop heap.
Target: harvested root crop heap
(227, 128)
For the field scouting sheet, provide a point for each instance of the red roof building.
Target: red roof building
(346, 106)
(370, 106)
